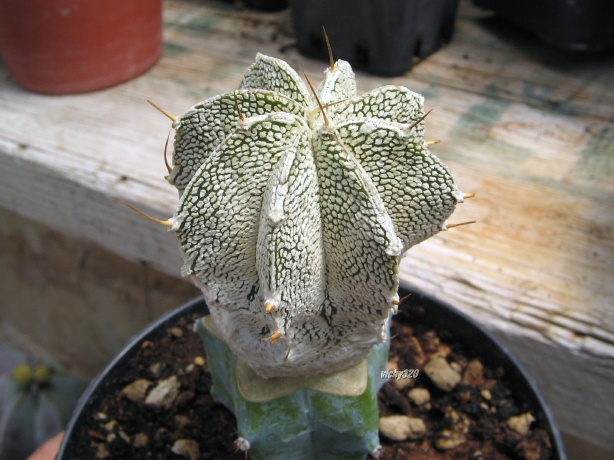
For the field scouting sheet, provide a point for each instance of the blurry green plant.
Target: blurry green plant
(36, 402)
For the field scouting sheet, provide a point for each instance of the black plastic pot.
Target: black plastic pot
(424, 308)
(584, 25)
(380, 37)
(261, 5)
(267, 5)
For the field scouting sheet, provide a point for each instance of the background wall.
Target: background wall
(73, 299)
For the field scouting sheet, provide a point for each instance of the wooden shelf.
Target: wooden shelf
(528, 129)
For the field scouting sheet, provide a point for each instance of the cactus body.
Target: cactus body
(295, 209)
(294, 212)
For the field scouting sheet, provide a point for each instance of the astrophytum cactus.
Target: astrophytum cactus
(295, 208)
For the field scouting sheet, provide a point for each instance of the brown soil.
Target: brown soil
(475, 411)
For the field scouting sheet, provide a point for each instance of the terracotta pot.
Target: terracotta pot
(73, 46)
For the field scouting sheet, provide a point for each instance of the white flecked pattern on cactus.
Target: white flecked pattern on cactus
(203, 128)
(292, 227)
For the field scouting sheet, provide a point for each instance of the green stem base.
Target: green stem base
(305, 424)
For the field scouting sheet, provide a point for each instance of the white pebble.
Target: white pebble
(164, 393)
(419, 396)
(444, 376)
(401, 427)
(449, 439)
(187, 448)
(521, 423)
(136, 390)
(140, 440)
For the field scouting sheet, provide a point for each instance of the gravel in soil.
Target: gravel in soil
(443, 405)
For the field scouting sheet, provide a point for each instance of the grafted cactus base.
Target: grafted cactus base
(306, 424)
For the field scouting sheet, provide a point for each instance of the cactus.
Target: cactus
(36, 402)
(295, 208)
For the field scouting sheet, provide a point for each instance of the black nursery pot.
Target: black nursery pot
(267, 5)
(380, 37)
(425, 309)
(581, 26)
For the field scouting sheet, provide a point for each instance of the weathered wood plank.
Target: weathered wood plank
(530, 131)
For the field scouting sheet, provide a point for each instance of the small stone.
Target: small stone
(122, 434)
(455, 420)
(184, 397)
(401, 427)
(456, 434)
(444, 376)
(521, 424)
(176, 331)
(102, 416)
(442, 350)
(182, 421)
(402, 383)
(189, 368)
(187, 448)
(199, 361)
(161, 433)
(430, 341)
(140, 440)
(155, 369)
(457, 367)
(473, 373)
(486, 394)
(102, 451)
(110, 426)
(136, 390)
(419, 396)
(448, 439)
(163, 395)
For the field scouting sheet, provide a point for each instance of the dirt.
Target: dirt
(470, 421)
(477, 409)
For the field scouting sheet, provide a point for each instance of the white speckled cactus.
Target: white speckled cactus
(294, 212)
(293, 218)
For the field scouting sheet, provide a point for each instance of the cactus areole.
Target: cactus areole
(295, 208)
